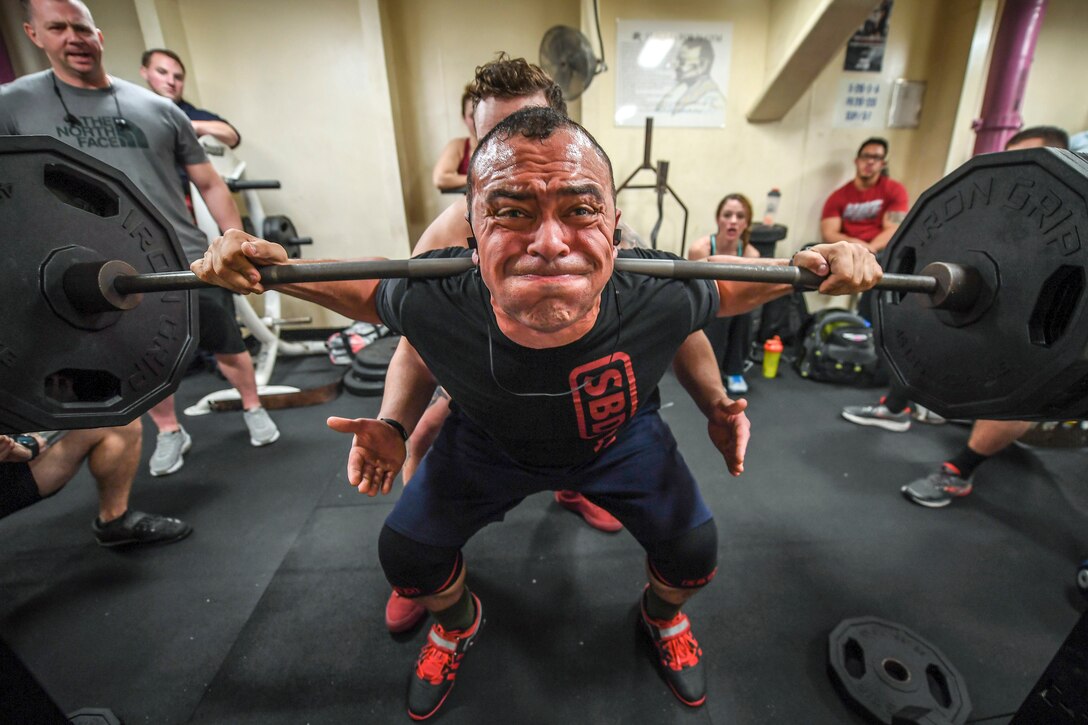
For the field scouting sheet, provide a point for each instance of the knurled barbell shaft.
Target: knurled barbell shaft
(409, 268)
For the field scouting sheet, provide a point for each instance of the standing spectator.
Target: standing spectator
(148, 139)
(164, 73)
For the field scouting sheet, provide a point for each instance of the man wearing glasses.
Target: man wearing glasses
(868, 208)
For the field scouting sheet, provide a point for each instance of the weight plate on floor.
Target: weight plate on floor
(378, 353)
(363, 388)
(895, 676)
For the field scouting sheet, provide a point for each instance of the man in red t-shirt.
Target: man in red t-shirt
(869, 207)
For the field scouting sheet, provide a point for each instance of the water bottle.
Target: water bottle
(772, 353)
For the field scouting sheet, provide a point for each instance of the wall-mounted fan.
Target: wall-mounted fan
(567, 56)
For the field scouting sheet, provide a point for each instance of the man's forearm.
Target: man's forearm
(697, 370)
(741, 297)
(409, 386)
(351, 298)
(220, 130)
(221, 205)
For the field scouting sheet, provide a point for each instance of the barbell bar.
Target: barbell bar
(100, 286)
(96, 328)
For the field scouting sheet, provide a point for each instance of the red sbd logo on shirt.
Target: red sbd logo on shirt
(607, 401)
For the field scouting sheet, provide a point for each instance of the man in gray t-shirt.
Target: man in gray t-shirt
(148, 138)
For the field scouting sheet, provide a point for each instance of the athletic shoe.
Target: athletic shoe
(262, 430)
(436, 669)
(938, 489)
(679, 656)
(736, 385)
(879, 416)
(594, 515)
(170, 449)
(134, 527)
(402, 613)
(925, 415)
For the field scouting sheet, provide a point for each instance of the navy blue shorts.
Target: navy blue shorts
(466, 482)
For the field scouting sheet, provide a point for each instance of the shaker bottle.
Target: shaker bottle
(772, 353)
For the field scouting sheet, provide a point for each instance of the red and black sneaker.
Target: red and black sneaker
(679, 655)
(436, 669)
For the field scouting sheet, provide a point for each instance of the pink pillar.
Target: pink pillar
(1017, 31)
(7, 73)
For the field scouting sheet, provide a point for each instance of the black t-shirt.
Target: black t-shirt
(643, 321)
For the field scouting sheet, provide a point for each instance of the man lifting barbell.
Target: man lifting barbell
(554, 372)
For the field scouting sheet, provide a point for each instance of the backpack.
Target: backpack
(787, 317)
(839, 348)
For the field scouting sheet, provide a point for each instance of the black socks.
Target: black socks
(458, 616)
(658, 608)
(965, 462)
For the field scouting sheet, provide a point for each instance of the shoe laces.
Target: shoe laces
(680, 651)
(435, 662)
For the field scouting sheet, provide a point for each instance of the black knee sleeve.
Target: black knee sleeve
(17, 488)
(416, 569)
(689, 561)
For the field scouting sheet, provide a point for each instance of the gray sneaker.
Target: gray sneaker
(262, 430)
(879, 416)
(170, 449)
(937, 489)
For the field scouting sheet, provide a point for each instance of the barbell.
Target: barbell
(97, 328)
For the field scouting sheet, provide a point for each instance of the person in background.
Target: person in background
(869, 208)
(451, 171)
(164, 74)
(148, 139)
(952, 479)
(893, 412)
(731, 337)
(34, 466)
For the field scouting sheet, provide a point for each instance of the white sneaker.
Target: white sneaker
(170, 449)
(262, 430)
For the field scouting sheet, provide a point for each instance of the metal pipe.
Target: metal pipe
(1013, 51)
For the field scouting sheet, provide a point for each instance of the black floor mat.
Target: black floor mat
(272, 612)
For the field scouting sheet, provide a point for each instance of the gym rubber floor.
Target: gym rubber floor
(272, 611)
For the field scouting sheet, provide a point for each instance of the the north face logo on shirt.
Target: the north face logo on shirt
(605, 397)
(103, 132)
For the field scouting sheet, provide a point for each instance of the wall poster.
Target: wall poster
(675, 71)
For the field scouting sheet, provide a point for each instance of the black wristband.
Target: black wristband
(29, 442)
(395, 425)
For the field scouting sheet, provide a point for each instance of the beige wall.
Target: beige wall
(433, 49)
(802, 154)
(1055, 94)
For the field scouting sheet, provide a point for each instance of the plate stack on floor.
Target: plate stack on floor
(366, 376)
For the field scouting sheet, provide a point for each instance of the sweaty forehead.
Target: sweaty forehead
(564, 157)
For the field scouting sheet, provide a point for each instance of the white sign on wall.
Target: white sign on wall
(675, 71)
(861, 103)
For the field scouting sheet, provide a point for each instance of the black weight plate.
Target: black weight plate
(1022, 218)
(362, 371)
(379, 352)
(57, 375)
(895, 676)
(363, 388)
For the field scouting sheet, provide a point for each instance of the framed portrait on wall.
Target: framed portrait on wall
(675, 71)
